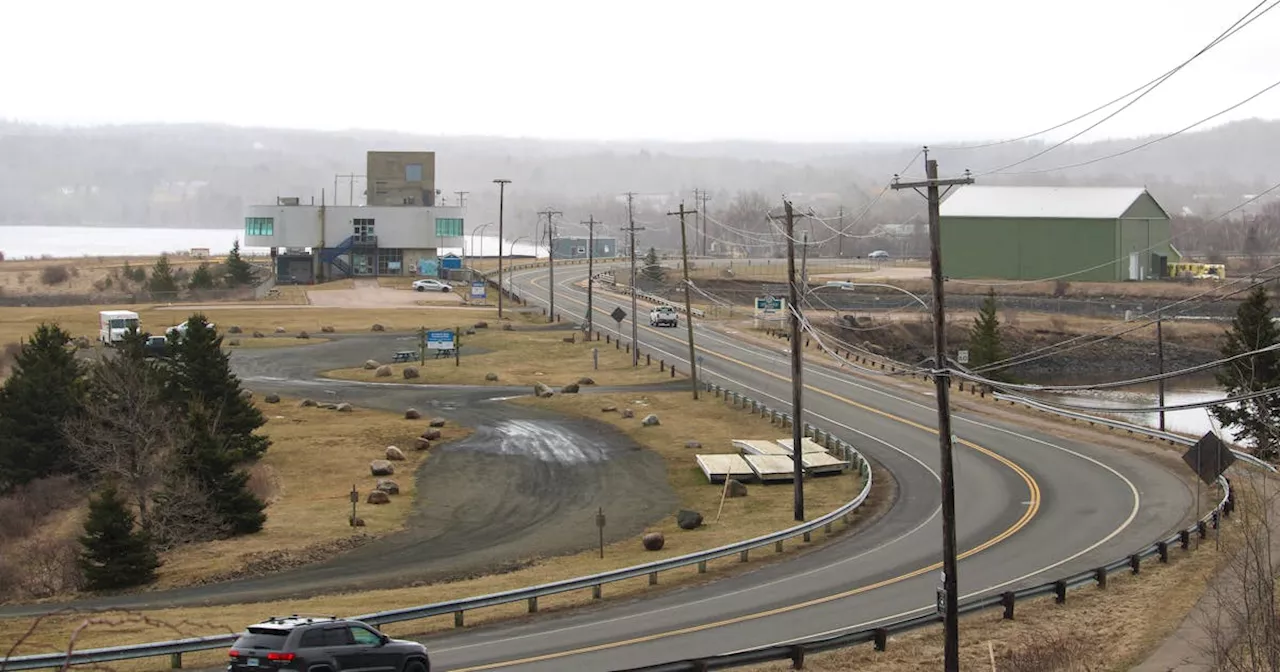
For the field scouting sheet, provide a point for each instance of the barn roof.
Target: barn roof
(1042, 202)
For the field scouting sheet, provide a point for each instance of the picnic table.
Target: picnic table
(404, 356)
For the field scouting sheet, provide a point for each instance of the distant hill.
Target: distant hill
(205, 175)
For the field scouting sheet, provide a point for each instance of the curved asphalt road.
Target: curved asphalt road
(1031, 507)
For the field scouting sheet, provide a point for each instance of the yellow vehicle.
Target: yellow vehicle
(1198, 271)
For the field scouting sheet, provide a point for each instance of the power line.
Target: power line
(1231, 30)
(1176, 407)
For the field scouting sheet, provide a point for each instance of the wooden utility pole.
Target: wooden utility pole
(591, 276)
(502, 192)
(1160, 365)
(688, 311)
(797, 365)
(631, 229)
(702, 198)
(948, 601)
(840, 238)
(551, 259)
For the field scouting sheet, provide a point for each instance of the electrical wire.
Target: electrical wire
(1156, 409)
(1222, 36)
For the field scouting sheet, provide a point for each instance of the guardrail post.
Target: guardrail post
(673, 370)
(1007, 599)
(881, 638)
(702, 567)
(533, 605)
(797, 657)
(1215, 520)
(1100, 577)
(1163, 549)
(653, 578)
(1202, 529)
(827, 528)
(742, 557)
(1135, 563)
(662, 366)
(648, 359)
(595, 592)
(457, 619)
(808, 536)
(777, 547)
(1184, 538)
(1060, 591)
(175, 661)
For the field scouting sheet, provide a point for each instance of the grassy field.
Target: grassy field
(18, 323)
(766, 508)
(306, 477)
(522, 357)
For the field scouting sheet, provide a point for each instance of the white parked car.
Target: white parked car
(431, 285)
(878, 254)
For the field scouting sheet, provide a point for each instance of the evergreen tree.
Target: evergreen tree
(985, 344)
(200, 375)
(212, 466)
(114, 554)
(239, 272)
(202, 278)
(45, 388)
(652, 269)
(162, 283)
(1253, 421)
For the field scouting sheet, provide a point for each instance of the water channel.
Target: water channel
(1186, 390)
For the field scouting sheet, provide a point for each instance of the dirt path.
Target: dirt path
(526, 484)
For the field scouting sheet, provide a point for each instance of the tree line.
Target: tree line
(161, 441)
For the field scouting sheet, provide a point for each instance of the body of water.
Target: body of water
(1194, 422)
(18, 242)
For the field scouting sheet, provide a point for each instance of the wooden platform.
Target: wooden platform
(807, 446)
(822, 463)
(759, 447)
(719, 467)
(773, 468)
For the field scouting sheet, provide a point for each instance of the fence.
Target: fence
(457, 608)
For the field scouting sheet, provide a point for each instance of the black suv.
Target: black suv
(323, 644)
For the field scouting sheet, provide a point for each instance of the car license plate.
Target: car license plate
(252, 662)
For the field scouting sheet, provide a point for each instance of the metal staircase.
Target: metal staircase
(333, 255)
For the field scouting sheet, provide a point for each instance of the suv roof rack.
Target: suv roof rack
(282, 620)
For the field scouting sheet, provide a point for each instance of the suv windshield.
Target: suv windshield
(260, 639)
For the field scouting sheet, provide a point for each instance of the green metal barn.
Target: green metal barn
(1076, 233)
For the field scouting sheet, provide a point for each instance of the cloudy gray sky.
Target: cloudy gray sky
(799, 70)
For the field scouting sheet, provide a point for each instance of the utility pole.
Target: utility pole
(804, 260)
(631, 229)
(551, 259)
(1160, 364)
(942, 386)
(502, 192)
(840, 238)
(688, 312)
(797, 365)
(591, 276)
(702, 198)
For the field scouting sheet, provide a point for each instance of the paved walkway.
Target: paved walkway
(1188, 648)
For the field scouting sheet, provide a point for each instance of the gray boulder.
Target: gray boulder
(272, 398)
(328, 406)
(735, 488)
(378, 497)
(542, 391)
(303, 335)
(688, 520)
(412, 414)
(628, 413)
(586, 381)
(246, 394)
(259, 334)
(654, 541)
(437, 422)
(482, 325)
(356, 522)
(388, 486)
(421, 443)
(491, 377)
(307, 403)
(233, 329)
(507, 327)
(609, 408)
(571, 388)
(431, 434)
(370, 364)
(344, 407)
(327, 329)
(394, 454)
(383, 371)
(693, 445)
(279, 330)
(410, 372)
(381, 468)
(650, 420)
(377, 327)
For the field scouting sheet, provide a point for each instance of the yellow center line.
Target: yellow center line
(1032, 509)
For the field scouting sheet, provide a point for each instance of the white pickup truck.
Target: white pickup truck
(664, 316)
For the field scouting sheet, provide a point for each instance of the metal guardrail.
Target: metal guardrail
(880, 635)
(651, 298)
(595, 582)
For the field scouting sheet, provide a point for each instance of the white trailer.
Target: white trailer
(114, 324)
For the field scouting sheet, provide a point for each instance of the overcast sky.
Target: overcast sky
(842, 70)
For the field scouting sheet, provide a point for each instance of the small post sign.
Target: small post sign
(355, 497)
(479, 289)
(768, 305)
(440, 340)
(600, 526)
(962, 357)
(618, 315)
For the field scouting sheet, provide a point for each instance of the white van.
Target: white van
(114, 324)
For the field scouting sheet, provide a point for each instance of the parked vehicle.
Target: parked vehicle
(155, 346)
(878, 254)
(431, 285)
(113, 325)
(181, 329)
(323, 644)
(664, 316)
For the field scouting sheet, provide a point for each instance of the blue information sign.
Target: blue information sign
(439, 340)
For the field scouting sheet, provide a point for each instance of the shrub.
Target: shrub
(54, 275)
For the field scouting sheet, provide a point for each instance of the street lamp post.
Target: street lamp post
(502, 193)
(512, 254)
(473, 239)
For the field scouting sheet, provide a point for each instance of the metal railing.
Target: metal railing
(530, 595)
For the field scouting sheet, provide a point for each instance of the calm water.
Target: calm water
(17, 242)
(1193, 421)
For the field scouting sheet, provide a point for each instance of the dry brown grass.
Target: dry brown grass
(775, 270)
(522, 357)
(315, 457)
(1112, 629)
(709, 421)
(1155, 289)
(18, 323)
(81, 273)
